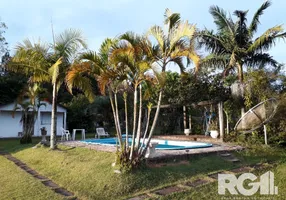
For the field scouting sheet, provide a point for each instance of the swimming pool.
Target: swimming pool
(162, 144)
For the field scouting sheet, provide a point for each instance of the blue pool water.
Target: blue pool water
(162, 144)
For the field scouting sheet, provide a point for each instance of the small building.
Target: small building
(11, 125)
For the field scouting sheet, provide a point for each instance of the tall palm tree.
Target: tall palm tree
(49, 63)
(136, 55)
(233, 46)
(98, 66)
(173, 46)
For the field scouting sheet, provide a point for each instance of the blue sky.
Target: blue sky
(99, 19)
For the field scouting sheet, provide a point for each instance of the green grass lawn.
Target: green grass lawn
(17, 184)
(89, 173)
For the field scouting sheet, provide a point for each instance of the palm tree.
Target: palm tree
(173, 46)
(48, 63)
(136, 55)
(98, 66)
(29, 109)
(234, 47)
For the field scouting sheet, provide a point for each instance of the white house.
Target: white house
(11, 126)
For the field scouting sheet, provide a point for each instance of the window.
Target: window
(45, 118)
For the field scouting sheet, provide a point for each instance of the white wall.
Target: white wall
(47, 123)
(9, 126)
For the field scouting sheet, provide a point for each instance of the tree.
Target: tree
(135, 54)
(120, 66)
(48, 63)
(174, 45)
(29, 109)
(3, 43)
(233, 47)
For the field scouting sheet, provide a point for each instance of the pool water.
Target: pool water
(162, 144)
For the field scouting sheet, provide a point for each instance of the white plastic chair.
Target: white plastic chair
(65, 134)
(101, 132)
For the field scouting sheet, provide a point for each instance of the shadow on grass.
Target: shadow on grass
(12, 145)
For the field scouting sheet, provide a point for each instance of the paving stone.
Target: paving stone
(50, 184)
(241, 170)
(19, 164)
(141, 197)
(35, 174)
(32, 172)
(196, 183)
(13, 159)
(25, 167)
(168, 190)
(63, 192)
(40, 177)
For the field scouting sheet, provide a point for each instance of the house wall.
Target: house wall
(47, 123)
(9, 126)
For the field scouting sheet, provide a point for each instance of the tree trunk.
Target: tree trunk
(190, 123)
(240, 72)
(114, 115)
(146, 129)
(139, 119)
(185, 117)
(154, 122)
(241, 79)
(134, 121)
(221, 121)
(227, 122)
(117, 116)
(126, 119)
(53, 142)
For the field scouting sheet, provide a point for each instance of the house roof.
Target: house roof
(47, 107)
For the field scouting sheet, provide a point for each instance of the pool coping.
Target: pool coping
(164, 155)
(157, 141)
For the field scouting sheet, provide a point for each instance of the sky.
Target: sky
(98, 19)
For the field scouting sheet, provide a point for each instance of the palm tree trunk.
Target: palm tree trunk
(53, 144)
(154, 122)
(134, 121)
(139, 118)
(241, 79)
(114, 115)
(240, 72)
(117, 117)
(146, 129)
(126, 119)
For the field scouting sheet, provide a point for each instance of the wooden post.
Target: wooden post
(221, 121)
